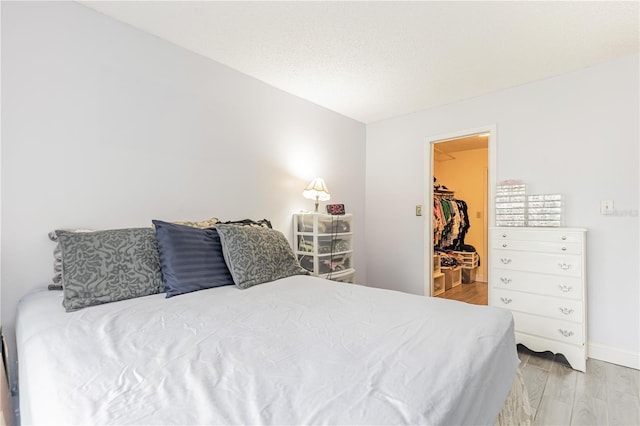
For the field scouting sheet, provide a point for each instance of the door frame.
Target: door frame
(491, 129)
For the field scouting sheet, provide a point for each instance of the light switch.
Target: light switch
(418, 210)
(606, 207)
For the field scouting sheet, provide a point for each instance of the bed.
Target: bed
(292, 350)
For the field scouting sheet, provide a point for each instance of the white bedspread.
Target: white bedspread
(300, 350)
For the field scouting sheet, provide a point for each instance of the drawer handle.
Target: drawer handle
(565, 288)
(506, 300)
(505, 260)
(566, 311)
(564, 266)
(565, 333)
(504, 235)
(564, 249)
(504, 245)
(564, 237)
(505, 280)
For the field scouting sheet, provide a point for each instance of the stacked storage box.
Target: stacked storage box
(515, 208)
(511, 204)
(469, 264)
(544, 210)
(452, 276)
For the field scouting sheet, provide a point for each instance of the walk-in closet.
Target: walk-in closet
(459, 219)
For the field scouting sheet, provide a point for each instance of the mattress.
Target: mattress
(300, 350)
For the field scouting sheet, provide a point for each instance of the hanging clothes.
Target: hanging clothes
(451, 222)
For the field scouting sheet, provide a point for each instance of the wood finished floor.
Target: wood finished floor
(606, 394)
(474, 293)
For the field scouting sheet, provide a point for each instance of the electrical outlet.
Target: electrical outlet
(606, 207)
(418, 210)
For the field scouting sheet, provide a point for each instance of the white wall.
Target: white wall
(575, 134)
(105, 126)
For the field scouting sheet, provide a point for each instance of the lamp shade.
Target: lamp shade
(317, 190)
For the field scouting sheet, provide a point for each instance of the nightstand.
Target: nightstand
(323, 245)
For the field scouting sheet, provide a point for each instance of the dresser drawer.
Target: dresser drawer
(547, 306)
(550, 285)
(566, 265)
(537, 234)
(562, 331)
(538, 246)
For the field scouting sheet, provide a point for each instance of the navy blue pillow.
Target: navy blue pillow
(190, 258)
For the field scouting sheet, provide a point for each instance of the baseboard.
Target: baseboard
(614, 355)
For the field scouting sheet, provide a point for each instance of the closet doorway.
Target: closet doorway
(461, 168)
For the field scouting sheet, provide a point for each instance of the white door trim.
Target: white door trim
(428, 190)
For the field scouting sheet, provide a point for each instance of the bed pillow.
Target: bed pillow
(207, 223)
(190, 258)
(250, 222)
(107, 266)
(256, 255)
(57, 259)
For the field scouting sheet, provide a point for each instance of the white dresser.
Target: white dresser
(540, 275)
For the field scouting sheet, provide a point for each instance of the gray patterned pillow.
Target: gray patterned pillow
(107, 266)
(57, 259)
(255, 255)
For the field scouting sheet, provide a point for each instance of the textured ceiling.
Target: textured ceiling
(375, 60)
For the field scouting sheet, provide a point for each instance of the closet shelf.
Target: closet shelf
(443, 192)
